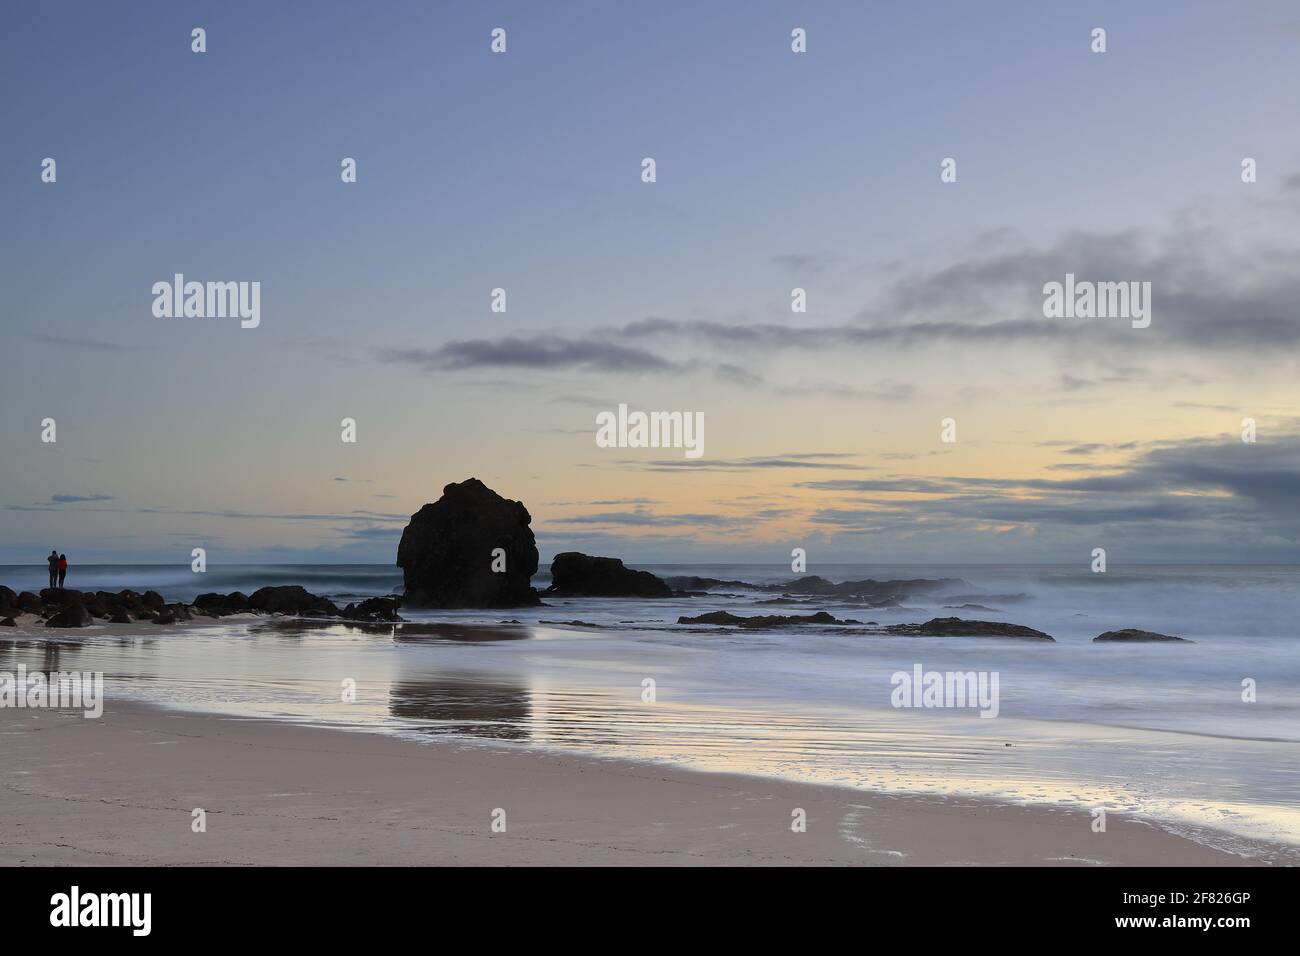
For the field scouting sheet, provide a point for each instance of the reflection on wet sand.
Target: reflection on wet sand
(413, 632)
(495, 709)
(43, 656)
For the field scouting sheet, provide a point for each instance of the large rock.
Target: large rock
(446, 552)
(62, 597)
(580, 575)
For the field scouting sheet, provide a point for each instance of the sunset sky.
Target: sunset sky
(775, 170)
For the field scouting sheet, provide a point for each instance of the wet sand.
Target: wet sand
(121, 790)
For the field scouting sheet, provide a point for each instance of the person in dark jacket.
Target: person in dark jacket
(54, 568)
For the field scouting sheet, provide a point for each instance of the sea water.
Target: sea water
(1200, 737)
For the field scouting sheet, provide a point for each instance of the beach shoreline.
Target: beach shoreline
(124, 790)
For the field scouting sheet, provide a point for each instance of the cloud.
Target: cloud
(805, 263)
(641, 517)
(76, 342)
(816, 460)
(881, 392)
(533, 352)
(356, 515)
(1238, 491)
(67, 499)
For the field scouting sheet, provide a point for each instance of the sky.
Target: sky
(775, 170)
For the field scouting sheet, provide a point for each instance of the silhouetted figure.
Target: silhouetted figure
(54, 568)
(63, 568)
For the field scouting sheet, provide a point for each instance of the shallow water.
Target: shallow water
(1160, 730)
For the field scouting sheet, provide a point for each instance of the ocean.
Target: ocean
(1202, 738)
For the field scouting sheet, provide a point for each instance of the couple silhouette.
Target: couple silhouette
(58, 568)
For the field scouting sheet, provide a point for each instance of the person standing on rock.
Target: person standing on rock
(54, 568)
(63, 568)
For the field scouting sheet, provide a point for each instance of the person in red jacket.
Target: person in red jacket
(63, 568)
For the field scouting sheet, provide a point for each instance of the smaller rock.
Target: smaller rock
(8, 622)
(374, 609)
(1134, 635)
(219, 605)
(574, 574)
(289, 599)
(72, 616)
(956, 627)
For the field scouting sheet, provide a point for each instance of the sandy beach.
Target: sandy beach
(121, 790)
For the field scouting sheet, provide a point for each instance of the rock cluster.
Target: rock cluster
(67, 607)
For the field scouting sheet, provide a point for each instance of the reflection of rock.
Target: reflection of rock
(432, 632)
(580, 575)
(769, 620)
(1134, 635)
(447, 551)
(496, 710)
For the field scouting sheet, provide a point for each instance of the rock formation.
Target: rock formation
(956, 627)
(580, 575)
(449, 552)
(1135, 635)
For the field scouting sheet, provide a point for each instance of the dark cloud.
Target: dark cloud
(1245, 491)
(534, 352)
(814, 460)
(68, 499)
